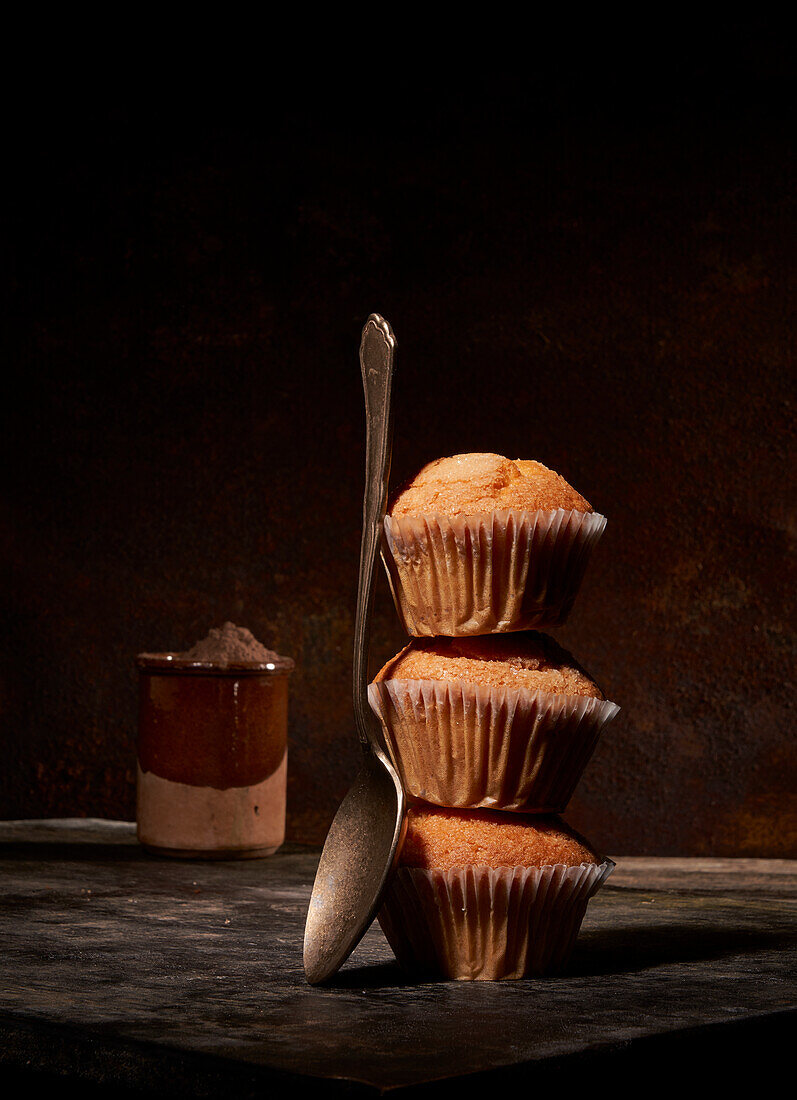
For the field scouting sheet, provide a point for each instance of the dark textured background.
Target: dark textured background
(585, 263)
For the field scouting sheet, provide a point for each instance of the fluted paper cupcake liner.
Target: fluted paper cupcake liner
(487, 574)
(486, 923)
(470, 746)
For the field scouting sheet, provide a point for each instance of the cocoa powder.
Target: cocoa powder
(230, 644)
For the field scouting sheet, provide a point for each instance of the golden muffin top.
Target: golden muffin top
(526, 659)
(467, 485)
(438, 839)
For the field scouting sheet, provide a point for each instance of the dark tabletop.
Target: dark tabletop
(127, 974)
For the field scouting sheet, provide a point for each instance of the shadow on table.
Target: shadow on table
(625, 950)
(378, 976)
(605, 952)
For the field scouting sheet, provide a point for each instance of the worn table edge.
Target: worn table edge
(105, 830)
(80, 1056)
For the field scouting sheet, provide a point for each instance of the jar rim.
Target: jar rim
(179, 663)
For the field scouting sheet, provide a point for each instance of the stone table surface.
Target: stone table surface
(129, 975)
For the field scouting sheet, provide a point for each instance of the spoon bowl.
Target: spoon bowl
(358, 856)
(366, 834)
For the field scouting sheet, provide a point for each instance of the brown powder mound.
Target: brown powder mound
(471, 484)
(230, 644)
(439, 839)
(526, 659)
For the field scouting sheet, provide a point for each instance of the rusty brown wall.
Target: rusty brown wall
(591, 268)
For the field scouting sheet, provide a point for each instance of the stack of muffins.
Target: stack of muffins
(490, 723)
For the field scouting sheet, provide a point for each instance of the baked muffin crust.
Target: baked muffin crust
(471, 484)
(526, 659)
(439, 839)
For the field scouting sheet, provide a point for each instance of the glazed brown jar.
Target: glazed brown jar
(212, 756)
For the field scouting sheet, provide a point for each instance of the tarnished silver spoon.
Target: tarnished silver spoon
(366, 833)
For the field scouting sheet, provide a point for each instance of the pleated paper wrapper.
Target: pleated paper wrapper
(470, 746)
(487, 923)
(488, 574)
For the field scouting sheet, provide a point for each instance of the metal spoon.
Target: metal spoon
(366, 833)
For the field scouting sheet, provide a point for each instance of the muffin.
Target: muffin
(478, 544)
(504, 722)
(486, 895)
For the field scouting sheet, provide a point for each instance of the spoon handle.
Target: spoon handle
(377, 349)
